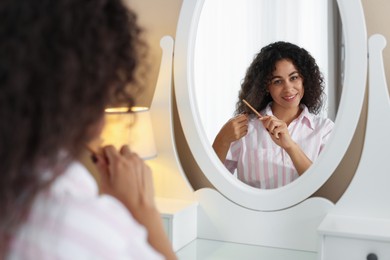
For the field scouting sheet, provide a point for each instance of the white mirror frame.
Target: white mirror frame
(354, 29)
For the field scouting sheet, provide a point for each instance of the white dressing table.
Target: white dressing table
(238, 223)
(204, 249)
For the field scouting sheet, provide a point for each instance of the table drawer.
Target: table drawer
(344, 248)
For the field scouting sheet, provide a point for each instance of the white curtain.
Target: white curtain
(231, 32)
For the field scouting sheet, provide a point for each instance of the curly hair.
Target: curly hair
(258, 76)
(62, 63)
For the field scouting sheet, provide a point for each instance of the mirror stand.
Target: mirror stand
(293, 228)
(284, 218)
(166, 167)
(358, 227)
(351, 101)
(174, 195)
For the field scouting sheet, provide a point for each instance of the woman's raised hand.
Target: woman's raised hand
(126, 176)
(278, 131)
(234, 129)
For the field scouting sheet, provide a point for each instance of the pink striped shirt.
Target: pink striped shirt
(71, 221)
(261, 163)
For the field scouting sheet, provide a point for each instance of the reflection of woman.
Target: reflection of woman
(283, 83)
(61, 63)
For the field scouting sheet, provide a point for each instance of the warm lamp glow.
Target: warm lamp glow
(133, 128)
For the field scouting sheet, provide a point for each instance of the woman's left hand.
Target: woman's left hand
(278, 131)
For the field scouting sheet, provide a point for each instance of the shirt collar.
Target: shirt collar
(305, 116)
(76, 180)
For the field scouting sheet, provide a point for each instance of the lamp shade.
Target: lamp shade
(132, 128)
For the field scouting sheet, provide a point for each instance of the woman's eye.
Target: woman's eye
(276, 82)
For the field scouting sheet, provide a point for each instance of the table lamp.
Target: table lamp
(133, 128)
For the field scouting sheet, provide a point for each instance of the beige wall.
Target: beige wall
(159, 18)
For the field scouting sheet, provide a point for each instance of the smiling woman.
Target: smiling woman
(285, 84)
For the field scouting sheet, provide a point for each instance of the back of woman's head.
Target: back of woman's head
(61, 63)
(259, 73)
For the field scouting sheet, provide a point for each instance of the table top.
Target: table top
(203, 249)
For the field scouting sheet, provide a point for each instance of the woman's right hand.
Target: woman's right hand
(125, 176)
(233, 130)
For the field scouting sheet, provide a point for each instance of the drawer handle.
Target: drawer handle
(372, 256)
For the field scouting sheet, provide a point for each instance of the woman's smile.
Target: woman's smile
(290, 97)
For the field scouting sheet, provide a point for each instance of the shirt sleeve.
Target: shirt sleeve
(135, 243)
(232, 156)
(108, 231)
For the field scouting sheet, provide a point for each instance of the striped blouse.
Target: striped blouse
(71, 221)
(261, 163)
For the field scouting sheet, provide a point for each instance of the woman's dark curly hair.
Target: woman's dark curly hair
(62, 62)
(259, 73)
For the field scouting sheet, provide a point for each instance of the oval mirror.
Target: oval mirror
(194, 51)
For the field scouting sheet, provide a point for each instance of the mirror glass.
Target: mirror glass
(231, 32)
